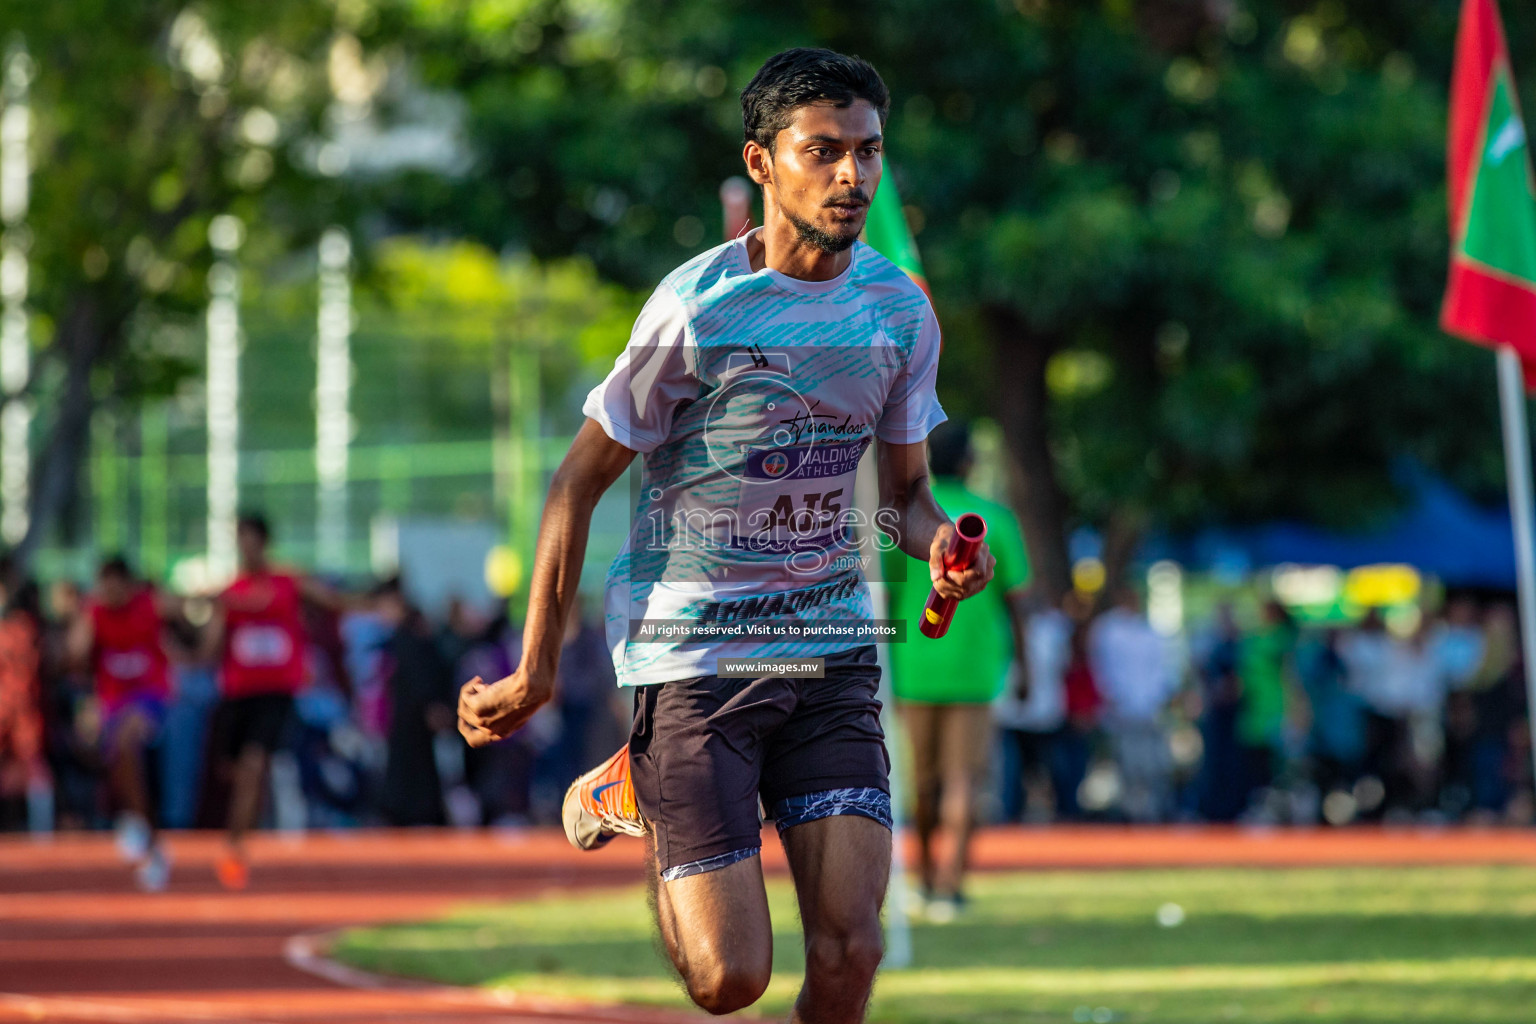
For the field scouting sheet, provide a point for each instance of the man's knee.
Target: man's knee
(849, 958)
(721, 986)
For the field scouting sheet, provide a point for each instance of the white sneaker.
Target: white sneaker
(133, 836)
(154, 872)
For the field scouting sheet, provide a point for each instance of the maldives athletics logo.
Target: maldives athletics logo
(775, 464)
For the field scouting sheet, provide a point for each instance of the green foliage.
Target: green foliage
(1225, 221)
(151, 119)
(1236, 210)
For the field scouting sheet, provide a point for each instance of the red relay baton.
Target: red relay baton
(970, 531)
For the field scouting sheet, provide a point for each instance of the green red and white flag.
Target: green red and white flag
(887, 232)
(1490, 297)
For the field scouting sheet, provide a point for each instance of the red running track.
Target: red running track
(78, 943)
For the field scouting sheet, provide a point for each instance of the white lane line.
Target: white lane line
(305, 953)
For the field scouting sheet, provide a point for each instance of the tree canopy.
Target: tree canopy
(1187, 254)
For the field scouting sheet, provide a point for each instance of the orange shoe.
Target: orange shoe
(232, 871)
(601, 804)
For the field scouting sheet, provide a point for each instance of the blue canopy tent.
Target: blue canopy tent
(1440, 532)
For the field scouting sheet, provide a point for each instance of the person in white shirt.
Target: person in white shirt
(1131, 664)
(1031, 715)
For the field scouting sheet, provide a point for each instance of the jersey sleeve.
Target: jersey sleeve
(651, 379)
(912, 407)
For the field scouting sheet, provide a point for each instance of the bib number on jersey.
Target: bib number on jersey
(791, 497)
(260, 646)
(125, 665)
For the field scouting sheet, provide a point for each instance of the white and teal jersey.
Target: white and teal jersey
(753, 397)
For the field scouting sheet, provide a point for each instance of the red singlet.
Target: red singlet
(126, 656)
(264, 635)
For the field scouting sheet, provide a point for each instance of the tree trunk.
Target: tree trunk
(1122, 536)
(1021, 406)
(83, 339)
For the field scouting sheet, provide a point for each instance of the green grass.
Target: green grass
(1451, 945)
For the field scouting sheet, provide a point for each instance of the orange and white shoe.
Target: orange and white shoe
(601, 804)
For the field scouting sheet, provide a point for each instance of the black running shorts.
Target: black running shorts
(254, 721)
(703, 750)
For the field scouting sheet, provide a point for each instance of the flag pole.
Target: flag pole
(1517, 466)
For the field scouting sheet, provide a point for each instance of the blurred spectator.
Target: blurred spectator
(1336, 740)
(257, 633)
(1131, 666)
(24, 780)
(944, 690)
(1037, 737)
(461, 628)
(1264, 670)
(1369, 665)
(1422, 681)
(500, 775)
(323, 771)
(119, 636)
(69, 713)
(194, 693)
(1456, 644)
(1495, 706)
(421, 693)
(1221, 790)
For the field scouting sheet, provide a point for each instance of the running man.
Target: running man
(755, 378)
(120, 636)
(256, 636)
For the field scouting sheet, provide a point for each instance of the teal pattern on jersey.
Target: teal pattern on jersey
(774, 390)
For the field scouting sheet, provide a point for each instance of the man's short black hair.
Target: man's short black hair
(949, 448)
(256, 523)
(790, 80)
(115, 567)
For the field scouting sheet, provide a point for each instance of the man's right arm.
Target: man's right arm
(488, 712)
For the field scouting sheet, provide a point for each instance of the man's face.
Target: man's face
(824, 171)
(115, 589)
(251, 544)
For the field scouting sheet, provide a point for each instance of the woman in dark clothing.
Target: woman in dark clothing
(420, 689)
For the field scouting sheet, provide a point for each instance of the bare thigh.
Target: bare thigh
(717, 933)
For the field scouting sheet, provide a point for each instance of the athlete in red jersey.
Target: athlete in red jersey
(120, 636)
(257, 637)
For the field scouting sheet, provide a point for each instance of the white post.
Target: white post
(225, 234)
(15, 346)
(1517, 466)
(333, 384)
(898, 932)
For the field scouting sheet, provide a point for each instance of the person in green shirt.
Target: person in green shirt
(944, 688)
(1266, 699)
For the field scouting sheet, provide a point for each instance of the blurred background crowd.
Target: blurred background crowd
(370, 739)
(355, 262)
(1247, 716)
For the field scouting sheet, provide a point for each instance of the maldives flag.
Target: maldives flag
(886, 230)
(1490, 297)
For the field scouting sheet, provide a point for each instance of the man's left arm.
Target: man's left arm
(910, 515)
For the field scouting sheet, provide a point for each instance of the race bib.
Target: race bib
(125, 665)
(258, 645)
(792, 498)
